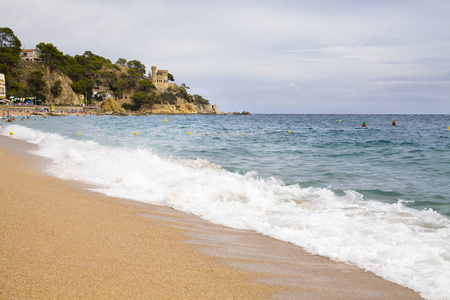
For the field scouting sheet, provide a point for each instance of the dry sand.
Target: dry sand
(58, 241)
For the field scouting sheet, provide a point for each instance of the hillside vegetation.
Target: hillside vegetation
(61, 79)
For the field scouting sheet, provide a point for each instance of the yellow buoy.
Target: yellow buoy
(79, 133)
(189, 133)
(448, 127)
(340, 120)
(289, 131)
(165, 120)
(135, 133)
(242, 133)
(11, 133)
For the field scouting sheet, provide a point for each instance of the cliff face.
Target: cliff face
(168, 109)
(67, 96)
(182, 108)
(208, 109)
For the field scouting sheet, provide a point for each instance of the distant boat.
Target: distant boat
(393, 123)
(364, 124)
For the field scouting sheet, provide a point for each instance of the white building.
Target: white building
(2, 87)
(31, 55)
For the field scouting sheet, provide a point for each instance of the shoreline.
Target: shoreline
(59, 241)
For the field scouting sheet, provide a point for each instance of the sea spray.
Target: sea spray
(407, 246)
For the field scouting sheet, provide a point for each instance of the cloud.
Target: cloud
(264, 56)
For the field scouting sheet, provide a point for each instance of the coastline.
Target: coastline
(60, 241)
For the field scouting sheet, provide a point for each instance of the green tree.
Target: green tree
(78, 87)
(169, 98)
(50, 55)
(121, 62)
(89, 68)
(182, 92)
(76, 72)
(36, 82)
(89, 84)
(56, 88)
(132, 107)
(153, 97)
(170, 77)
(184, 87)
(199, 99)
(89, 58)
(146, 86)
(133, 77)
(140, 98)
(9, 47)
(138, 66)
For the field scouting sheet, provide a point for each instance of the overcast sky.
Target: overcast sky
(318, 56)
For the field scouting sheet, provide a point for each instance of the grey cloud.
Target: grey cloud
(265, 56)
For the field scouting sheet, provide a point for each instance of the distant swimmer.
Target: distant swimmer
(364, 124)
(393, 123)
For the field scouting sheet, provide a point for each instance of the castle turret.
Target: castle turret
(153, 74)
(160, 79)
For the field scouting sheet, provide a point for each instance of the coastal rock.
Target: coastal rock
(208, 109)
(238, 113)
(167, 109)
(111, 107)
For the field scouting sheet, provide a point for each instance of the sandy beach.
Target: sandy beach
(60, 241)
(28, 111)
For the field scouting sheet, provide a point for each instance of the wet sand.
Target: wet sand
(59, 241)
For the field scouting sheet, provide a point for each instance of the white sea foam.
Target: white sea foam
(403, 245)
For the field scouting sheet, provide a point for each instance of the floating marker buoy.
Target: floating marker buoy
(11, 133)
(79, 133)
(448, 127)
(242, 133)
(364, 124)
(135, 133)
(165, 120)
(189, 133)
(394, 123)
(289, 131)
(340, 120)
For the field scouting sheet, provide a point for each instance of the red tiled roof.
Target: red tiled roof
(28, 50)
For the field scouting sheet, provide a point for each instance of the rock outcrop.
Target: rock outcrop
(208, 109)
(67, 96)
(111, 107)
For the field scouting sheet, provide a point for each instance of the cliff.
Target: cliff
(182, 108)
(67, 95)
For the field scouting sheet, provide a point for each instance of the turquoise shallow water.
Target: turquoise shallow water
(410, 161)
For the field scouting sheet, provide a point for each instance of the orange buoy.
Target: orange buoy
(393, 123)
(364, 124)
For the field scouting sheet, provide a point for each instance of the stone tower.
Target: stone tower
(160, 79)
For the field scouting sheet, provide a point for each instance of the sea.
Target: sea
(377, 197)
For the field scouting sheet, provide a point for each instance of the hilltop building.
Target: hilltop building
(31, 55)
(2, 87)
(160, 79)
